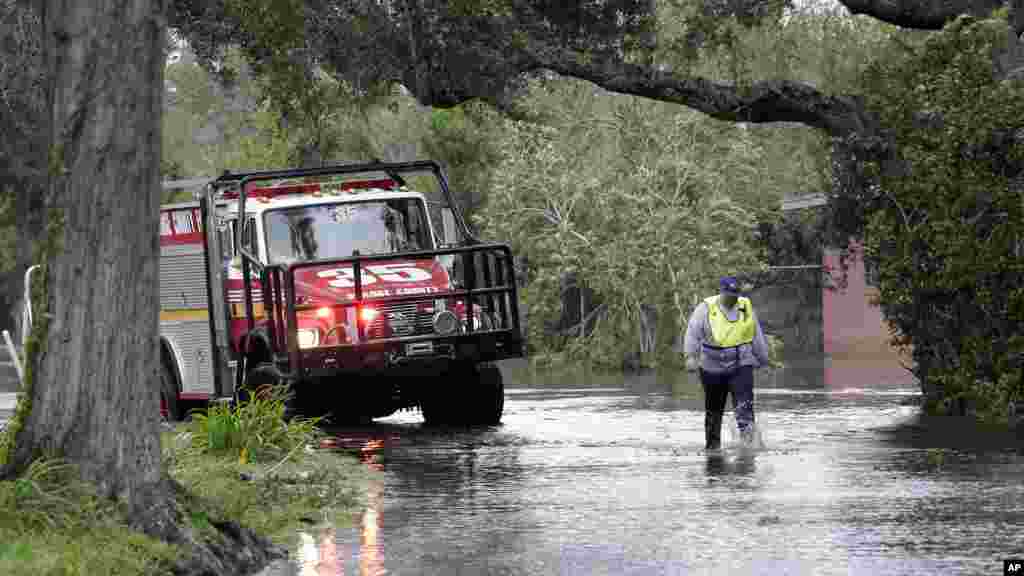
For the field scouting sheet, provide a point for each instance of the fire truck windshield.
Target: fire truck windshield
(323, 231)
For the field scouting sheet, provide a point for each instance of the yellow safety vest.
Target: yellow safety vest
(726, 333)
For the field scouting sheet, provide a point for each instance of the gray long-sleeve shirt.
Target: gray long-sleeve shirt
(698, 332)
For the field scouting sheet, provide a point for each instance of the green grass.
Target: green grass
(318, 487)
(51, 523)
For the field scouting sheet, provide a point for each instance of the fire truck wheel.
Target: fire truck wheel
(258, 380)
(443, 404)
(436, 411)
(472, 395)
(488, 396)
(169, 407)
(343, 418)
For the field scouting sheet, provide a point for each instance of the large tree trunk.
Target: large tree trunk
(93, 399)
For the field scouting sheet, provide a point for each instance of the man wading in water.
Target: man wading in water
(726, 335)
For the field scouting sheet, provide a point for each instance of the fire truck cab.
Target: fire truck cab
(360, 287)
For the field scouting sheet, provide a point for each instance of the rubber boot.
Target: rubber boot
(747, 435)
(712, 430)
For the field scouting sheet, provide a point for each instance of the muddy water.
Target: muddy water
(607, 475)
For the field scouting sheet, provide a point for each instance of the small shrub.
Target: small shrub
(253, 429)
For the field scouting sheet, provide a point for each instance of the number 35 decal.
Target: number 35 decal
(404, 272)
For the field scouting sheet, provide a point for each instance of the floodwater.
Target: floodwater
(592, 474)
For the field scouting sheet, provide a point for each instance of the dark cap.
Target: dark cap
(729, 285)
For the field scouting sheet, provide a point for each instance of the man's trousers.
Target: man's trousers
(738, 382)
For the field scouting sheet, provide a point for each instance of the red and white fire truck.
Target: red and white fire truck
(358, 286)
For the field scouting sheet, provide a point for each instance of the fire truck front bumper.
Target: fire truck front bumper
(410, 353)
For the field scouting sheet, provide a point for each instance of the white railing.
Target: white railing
(26, 310)
(25, 326)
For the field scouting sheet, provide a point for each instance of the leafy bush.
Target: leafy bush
(254, 429)
(641, 205)
(944, 225)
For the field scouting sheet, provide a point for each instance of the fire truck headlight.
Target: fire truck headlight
(368, 314)
(308, 338)
(445, 322)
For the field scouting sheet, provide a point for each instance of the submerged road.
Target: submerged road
(596, 475)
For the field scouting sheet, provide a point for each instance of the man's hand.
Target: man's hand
(692, 364)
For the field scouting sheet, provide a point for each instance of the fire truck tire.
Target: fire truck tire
(259, 376)
(487, 397)
(440, 408)
(169, 406)
(473, 396)
(435, 412)
(342, 418)
(267, 374)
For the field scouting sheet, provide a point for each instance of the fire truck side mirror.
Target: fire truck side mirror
(451, 231)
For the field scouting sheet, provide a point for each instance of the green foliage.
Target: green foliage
(945, 226)
(817, 43)
(210, 126)
(258, 122)
(462, 139)
(254, 429)
(631, 205)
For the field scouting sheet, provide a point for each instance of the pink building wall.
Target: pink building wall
(857, 352)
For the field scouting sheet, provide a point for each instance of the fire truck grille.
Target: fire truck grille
(403, 320)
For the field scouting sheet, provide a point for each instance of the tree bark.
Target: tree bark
(648, 329)
(766, 101)
(93, 398)
(94, 391)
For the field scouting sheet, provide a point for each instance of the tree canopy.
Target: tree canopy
(446, 53)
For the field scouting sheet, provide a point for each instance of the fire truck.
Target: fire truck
(360, 287)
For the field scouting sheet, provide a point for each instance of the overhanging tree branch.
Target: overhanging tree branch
(765, 101)
(448, 57)
(929, 15)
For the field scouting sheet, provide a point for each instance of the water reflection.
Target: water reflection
(319, 557)
(371, 554)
